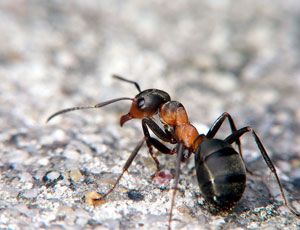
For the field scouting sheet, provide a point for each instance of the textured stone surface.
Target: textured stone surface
(213, 56)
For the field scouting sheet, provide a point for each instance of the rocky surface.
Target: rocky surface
(214, 56)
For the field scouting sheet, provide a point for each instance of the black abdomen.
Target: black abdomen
(221, 173)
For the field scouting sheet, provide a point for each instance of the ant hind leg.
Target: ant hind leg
(237, 134)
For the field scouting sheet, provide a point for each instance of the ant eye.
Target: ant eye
(141, 103)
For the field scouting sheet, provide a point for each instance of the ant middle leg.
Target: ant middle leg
(152, 142)
(218, 123)
(180, 149)
(237, 134)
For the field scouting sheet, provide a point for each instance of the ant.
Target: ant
(221, 171)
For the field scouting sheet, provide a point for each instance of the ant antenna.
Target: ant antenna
(126, 80)
(88, 107)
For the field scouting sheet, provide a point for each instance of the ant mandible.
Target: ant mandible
(221, 171)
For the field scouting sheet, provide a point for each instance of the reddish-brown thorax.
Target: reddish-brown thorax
(174, 114)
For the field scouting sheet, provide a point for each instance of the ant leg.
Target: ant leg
(146, 121)
(125, 167)
(126, 80)
(215, 128)
(230, 139)
(154, 158)
(218, 123)
(179, 157)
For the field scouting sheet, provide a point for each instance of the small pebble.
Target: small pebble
(52, 175)
(134, 195)
(43, 161)
(59, 135)
(75, 175)
(51, 178)
(82, 221)
(71, 154)
(93, 198)
(25, 177)
(163, 178)
(30, 194)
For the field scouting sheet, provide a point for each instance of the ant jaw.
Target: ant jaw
(125, 118)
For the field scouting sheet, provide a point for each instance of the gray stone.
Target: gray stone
(213, 56)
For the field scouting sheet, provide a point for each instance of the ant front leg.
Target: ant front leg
(237, 134)
(125, 167)
(148, 122)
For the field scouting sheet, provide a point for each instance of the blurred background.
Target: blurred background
(242, 57)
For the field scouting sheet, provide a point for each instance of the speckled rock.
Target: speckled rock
(213, 56)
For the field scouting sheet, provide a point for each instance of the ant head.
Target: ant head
(146, 104)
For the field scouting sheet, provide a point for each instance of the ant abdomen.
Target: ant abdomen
(221, 173)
